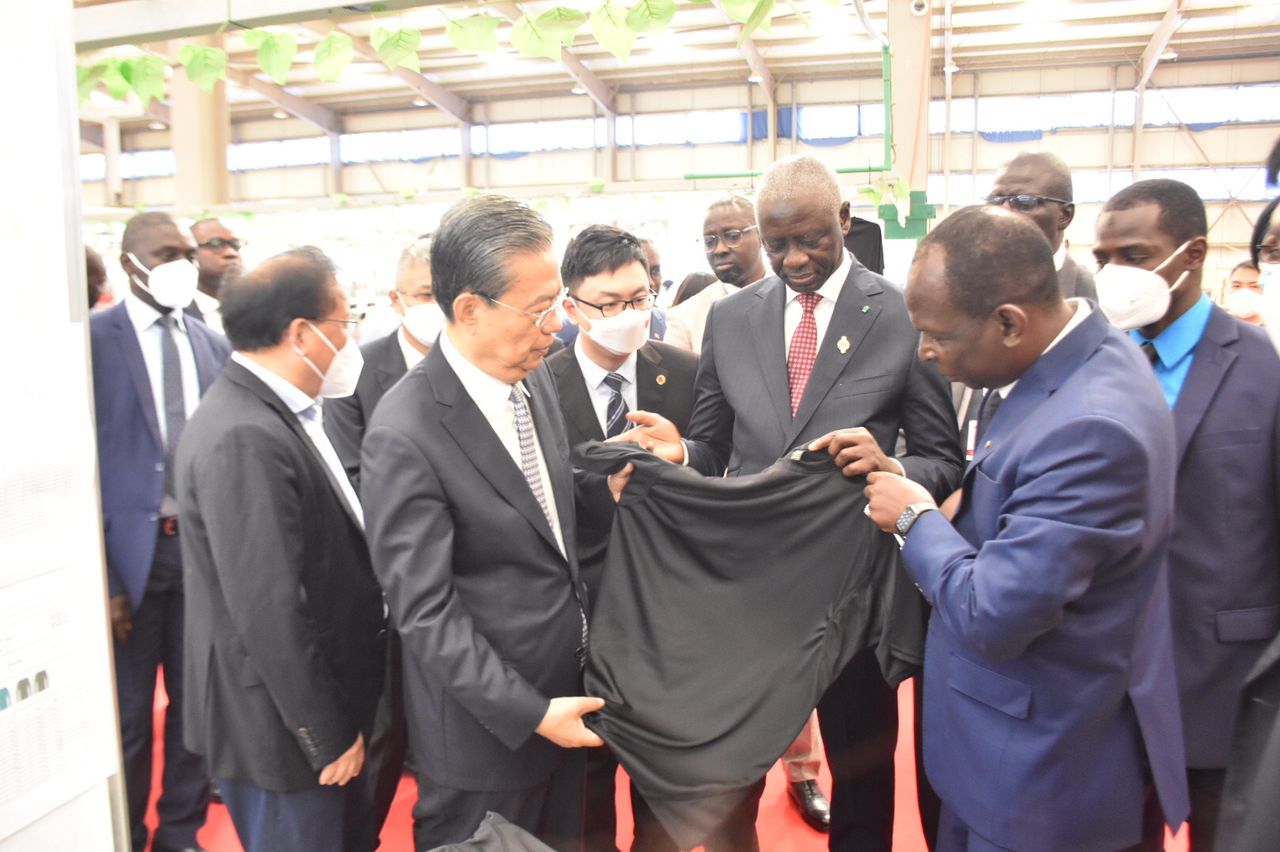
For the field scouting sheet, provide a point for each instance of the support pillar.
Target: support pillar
(911, 61)
(112, 184)
(200, 131)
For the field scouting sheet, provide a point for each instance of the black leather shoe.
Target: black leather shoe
(814, 808)
(160, 847)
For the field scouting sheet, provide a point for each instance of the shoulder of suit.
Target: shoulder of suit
(672, 355)
(557, 361)
(100, 321)
(379, 345)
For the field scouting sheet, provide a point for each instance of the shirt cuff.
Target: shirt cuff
(684, 461)
(902, 471)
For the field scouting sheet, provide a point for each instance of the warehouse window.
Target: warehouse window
(279, 153)
(404, 145)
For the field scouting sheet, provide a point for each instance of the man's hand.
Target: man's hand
(655, 433)
(346, 767)
(888, 495)
(619, 480)
(855, 451)
(562, 723)
(121, 620)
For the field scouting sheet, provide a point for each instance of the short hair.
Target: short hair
(200, 223)
(800, 177)
(258, 307)
(1244, 264)
(598, 249)
(139, 225)
(993, 257)
(417, 252)
(735, 201)
(693, 284)
(1260, 229)
(1052, 165)
(93, 261)
(476, 238)
(1182, 215)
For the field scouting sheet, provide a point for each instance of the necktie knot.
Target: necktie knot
(1149, 349)
(615, 382)
(808, 301)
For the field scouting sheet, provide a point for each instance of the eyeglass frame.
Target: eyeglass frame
(538, 318)
(351, 324)
(649, 298)
(710, 241)
(218, 243)
(1268, 254)
(1003, 200)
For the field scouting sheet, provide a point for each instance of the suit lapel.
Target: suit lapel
(575, 400)
(1211, 362)
(390, 366)
(855, 313)
(207, 364)
(131, 355)
(764, 316)
(651, 379)
(549, 424)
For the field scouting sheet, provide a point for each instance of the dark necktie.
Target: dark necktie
(615, 415)
(804, 349)
(990, 404)
(1149, 349)
(175, 406)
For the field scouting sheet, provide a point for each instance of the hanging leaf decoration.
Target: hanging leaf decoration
(531, 41)
(609, 27)
(205, 66)
(397, 48)
(333, 55)
(88, 78)
(561, 23)
(275, 52)
(477, 34)
(759, 19)
(740, 10)
(117, 86)
(649, 16)
(145, 75)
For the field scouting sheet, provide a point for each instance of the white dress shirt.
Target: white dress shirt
(310, 414)
(829, 291)
(210, 310)
(601, 393)
(493, 397)
(411, 356)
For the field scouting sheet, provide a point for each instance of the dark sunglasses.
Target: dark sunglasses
(218, 244)
(1024, 202)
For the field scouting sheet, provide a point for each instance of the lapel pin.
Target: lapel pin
(987, 445)
(866, 309)
(843, 345)
(661, 379)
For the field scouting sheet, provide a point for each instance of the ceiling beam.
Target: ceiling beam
(1160, 39)
(322, 117)
(759, 68)
(139, 21)
(582, 75)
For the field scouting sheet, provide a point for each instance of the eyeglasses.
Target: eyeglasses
(1268, 254)
(218, 244)
(612, 309)
(538, 318)
(421, 296)
(349, 323)
(1025, 202)
(731, 237)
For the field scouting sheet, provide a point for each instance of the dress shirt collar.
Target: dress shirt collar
(594, 374)
(411, 355)
(830, 289)
(491, 395)
(207, 304)
(295, 399)
(1175, 342)
(143, 316)
(1082, 313)
(1060, 256)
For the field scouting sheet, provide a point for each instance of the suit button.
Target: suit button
(159, 467)
(153, 517)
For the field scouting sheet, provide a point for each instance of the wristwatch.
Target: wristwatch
(910, 515)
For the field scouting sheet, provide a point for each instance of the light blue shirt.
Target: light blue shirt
(1176, 347)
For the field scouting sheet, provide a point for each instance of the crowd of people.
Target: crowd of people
(355, 559)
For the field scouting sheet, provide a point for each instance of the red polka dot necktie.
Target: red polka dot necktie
(804, 349)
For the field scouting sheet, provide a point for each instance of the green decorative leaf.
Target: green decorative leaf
(760, 17)
(649, 16)
(397, 48)
(87, 79)
(561, 23)
(740, 10)
(275, 52)
(531, 41)
(113, 78)
(609, 26)
(333, 55)
(901, 190)
(205, 65)
(478, 33)
(596, 185)
(872, 194)
(146, 77)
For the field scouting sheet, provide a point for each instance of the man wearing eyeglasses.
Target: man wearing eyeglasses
(470, 501)
(731, 240)
(217, 258)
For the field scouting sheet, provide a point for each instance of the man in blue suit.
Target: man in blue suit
(1051, 716)
(1219, 376)
(151, 363)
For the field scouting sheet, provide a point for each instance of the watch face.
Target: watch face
(904, 520)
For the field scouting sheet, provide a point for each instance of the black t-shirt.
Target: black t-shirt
(726, 609)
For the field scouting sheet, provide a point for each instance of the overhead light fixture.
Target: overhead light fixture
(1168, 56)
(951, 69)
(157, 125)
(279, 114)
(578, 90)
(755, 78)
(419, 102)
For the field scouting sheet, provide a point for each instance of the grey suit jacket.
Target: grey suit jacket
(1075, 281)
(486, 605)
(345, 418)
(742, 415)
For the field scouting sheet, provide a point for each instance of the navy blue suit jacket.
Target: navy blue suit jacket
(130, 452)
(1049, 679)
(1224, 560)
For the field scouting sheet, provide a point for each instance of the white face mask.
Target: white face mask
(621, 334)
(344, 370)
(424, 321)
(1269, 276)
(172, 284)
(1132, 297)
(1243, 303)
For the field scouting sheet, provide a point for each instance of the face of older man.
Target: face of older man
(803, 239)
(513, 334)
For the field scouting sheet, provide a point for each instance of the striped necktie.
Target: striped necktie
(615, 416)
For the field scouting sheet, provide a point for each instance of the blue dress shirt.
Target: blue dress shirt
(1176, 347)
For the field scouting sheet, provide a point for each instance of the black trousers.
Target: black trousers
(389, 740)
(321, 819)
(1205, 787)
(601, 823)
(155, 643)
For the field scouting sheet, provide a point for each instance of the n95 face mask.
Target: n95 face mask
(1132, 297)
(172, 284)
(621, 334)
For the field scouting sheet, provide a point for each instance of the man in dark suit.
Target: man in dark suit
(470, 502)
(151, 363)
(284, 616)
(1218, 375)
(1050, 702)
(218, 259)
(1038, 185)
(611, 369)
(824, 345)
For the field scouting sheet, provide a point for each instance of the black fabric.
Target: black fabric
(727, 608)
(866, 243)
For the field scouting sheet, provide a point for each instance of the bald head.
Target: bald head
(141, 225)
(803, 221)
(796, 178)
(1037, 185)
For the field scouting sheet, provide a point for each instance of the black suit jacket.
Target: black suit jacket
(484, 601)
(664, 385)
(284, 619)
(1075, 281)
(345, 418)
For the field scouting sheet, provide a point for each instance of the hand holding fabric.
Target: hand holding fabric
(856, 452)
(888, 495)
(562, 723)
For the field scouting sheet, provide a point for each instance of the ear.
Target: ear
(396, 304)
(1196, 252)
(571, 310)
(1012, 320)
(845, 221)
(466, 311)
(1066, 215)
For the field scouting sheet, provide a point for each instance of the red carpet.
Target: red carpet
(780, 828)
